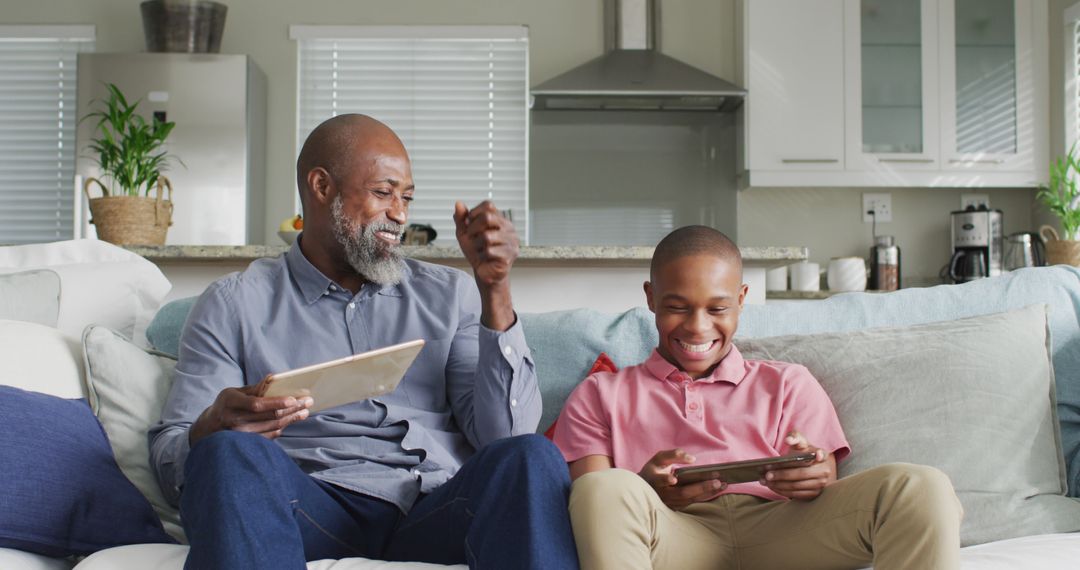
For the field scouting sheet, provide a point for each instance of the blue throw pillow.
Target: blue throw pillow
(61, 492)
(164, 331)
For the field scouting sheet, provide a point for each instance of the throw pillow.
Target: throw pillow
(127, 387)
(61, 492)
(564, 345)
(100, 283)
(974, 398)
(32, 296)
(602, 364)
(40, 358)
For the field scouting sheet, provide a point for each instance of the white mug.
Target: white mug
(776, 279)
(846, 274)
(805, 276)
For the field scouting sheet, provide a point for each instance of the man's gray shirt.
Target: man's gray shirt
(469, 386)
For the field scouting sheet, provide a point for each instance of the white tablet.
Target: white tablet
(346, 380)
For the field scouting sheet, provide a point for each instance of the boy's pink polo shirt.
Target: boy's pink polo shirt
(743, 410)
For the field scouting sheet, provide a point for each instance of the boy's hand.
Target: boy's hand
(803, 483)
(658, 474)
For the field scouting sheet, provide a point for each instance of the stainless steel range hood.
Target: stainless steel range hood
(633, 74)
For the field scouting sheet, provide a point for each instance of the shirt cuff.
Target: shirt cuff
(511, 343)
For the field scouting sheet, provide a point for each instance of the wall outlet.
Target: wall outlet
(974, 200)
(880, 204)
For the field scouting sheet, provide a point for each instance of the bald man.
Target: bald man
(444, 469)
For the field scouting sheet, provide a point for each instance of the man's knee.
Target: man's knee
(228, 448)
(532, 451)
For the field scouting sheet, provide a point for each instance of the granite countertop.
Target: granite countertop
(626, 256)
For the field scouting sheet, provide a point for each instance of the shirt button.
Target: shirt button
(416, 472)
(508, 350)
(352, 305)
(513, 403)
(693, 406)
(333, 288)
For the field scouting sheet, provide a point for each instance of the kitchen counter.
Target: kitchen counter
(529, 256)
(545, 278)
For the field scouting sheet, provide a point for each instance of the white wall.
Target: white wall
(563, 34)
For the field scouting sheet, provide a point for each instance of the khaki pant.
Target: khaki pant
(897, 516)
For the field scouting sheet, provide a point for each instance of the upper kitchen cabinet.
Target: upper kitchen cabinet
(931, 92)
(795, 63)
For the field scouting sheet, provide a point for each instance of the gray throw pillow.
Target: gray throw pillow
(127, 387)
(31, 296)
(973, 397)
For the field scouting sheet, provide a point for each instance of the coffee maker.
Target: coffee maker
(976, 244)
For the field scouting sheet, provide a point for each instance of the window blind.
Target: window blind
(457, 97)
(37, 130)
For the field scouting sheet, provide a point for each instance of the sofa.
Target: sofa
(981, 380)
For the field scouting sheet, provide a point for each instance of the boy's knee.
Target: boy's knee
(609, 488)
(925, 488)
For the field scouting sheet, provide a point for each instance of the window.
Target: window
(37, 130)
(1072, 76)
(457, 97)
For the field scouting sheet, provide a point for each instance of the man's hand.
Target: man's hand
(803, 483)
(658, 474)
(242, 409)
(490, 244)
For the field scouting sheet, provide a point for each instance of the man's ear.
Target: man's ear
(648, 296)
(320, 185)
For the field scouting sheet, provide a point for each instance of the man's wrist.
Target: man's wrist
(497, 307)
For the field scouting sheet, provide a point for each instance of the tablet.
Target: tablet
(740, 471)
(345, 380)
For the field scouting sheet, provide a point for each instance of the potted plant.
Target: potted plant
(1062, 197)
(129, 151)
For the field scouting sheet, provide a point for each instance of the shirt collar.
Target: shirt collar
(314, 285)
(732, 368)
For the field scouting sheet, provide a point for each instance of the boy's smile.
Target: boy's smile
(697, 300)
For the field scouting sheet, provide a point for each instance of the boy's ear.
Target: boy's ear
(648, 296)
(742, 294)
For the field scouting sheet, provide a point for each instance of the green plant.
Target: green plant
(1062, 196)
(127, 148)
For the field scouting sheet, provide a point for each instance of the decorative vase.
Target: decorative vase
(1060, 251)
(131, 220)
(184, 26)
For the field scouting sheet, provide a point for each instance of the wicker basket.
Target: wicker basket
(131, 220)
(1060, 251)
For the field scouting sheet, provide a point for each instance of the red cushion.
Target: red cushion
(603, 364)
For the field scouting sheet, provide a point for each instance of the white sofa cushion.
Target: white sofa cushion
(11, 559)
(171, 557)
(100, 283)
(42, 359)
(32, 296)
(972, 397)
(126, 388)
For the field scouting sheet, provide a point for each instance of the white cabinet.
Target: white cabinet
(795, 64)
(929, 92)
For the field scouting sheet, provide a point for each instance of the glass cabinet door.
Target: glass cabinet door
(985, 76)
(892, 77)
(892, 72)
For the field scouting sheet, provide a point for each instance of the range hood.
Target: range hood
(633, 75)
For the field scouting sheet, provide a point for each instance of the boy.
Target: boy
(696, 400)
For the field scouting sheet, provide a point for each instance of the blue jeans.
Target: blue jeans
(246, 504)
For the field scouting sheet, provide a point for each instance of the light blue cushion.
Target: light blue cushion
(164, 331)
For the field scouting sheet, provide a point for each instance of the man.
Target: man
(423, 473)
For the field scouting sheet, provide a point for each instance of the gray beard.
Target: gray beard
(370, 256)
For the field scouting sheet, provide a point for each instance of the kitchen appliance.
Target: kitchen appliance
(1023, 249)
(218, 103)
(976, 244)
(884, 264)
(633, 75)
